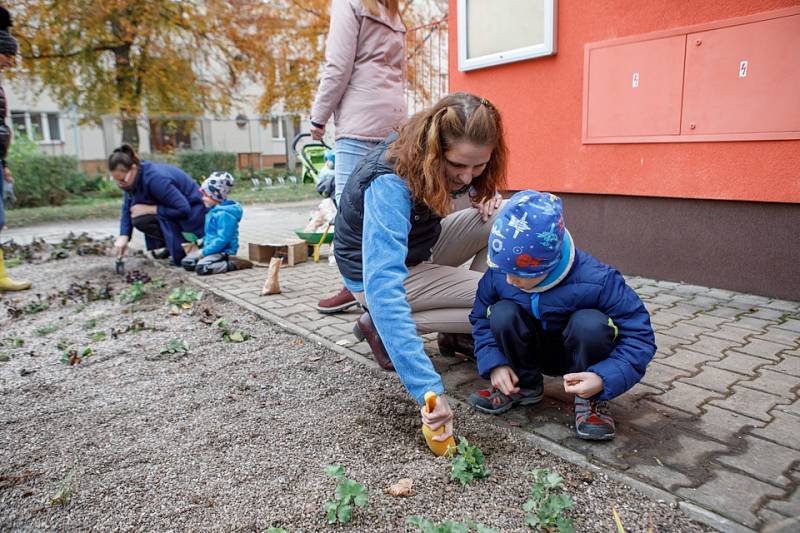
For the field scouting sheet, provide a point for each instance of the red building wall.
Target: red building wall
(541, 103)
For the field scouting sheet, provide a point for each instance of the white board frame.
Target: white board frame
(547, 48)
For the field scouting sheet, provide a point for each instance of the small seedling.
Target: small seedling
(183, 296)
(158, 283)
(90, 324)
(231, 335)
(347, 494)
(428, 526)
(468, 463)
(64, 491)
(276, 530)
(98, 336)
(44, 331)
(548, 504)
(134, 293)
(13, 342)
(72, 357)
(62, 344)
(37, 306)
(176, 346)
(13, 262)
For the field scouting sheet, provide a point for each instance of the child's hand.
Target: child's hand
(504, 378)
(442, 415)
(583, 384)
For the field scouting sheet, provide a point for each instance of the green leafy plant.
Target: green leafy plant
(72, 357)
(63, 493)
(134, 293)
(429, 526)
(176, 346)
(36, 306)
(347, 494)
(158, 283)
(229, 334)
(44, 331)
(62, 344)
(547, 506)
(13, 342)
(276, 530)
(90, 324)
(468, 463)
(98, 336)
(184, 295)
(13, 262)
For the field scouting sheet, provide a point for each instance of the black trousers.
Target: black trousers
(149, 225)
(533, 351)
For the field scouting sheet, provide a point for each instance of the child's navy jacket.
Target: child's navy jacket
(589, 284)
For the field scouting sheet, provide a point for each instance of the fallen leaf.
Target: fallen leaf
(402, 488)
(342, 358)
(174, 310)
(515, 424)
(314, 359)
(343, 342)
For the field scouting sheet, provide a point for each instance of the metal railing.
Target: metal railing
(427, 48)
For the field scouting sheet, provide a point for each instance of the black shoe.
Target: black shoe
(452, 343)
(161, 253)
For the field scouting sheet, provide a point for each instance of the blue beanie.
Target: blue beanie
(528, 237)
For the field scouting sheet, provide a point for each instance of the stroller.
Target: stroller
(311, 155)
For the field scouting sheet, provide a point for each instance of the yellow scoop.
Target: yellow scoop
(438, 448)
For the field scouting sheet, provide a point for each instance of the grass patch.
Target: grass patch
(81, 208)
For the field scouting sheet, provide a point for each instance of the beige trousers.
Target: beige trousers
(440, 291)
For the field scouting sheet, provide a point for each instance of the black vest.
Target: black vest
(425, 224)
(5, 131)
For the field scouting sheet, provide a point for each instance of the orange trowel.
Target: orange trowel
(438, 448)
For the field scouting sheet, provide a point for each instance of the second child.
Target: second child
(221, 240)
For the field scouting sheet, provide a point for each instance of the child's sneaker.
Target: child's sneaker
(494, 402)
(592, 421)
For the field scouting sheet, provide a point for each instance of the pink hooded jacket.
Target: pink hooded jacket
(363, 82)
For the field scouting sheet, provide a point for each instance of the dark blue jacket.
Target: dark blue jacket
(173, 190)
(589, 284)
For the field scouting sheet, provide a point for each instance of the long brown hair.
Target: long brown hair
(124, 156)
(419, 150)
(392, 7)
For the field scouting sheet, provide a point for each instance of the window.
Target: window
(502, 31)
(277, 128)
(39, 127)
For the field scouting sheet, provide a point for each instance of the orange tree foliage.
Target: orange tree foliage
(176, 57)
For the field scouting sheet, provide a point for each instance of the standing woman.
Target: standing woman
(8, 52)
(162, 201)
(363, 86)
(399, 246)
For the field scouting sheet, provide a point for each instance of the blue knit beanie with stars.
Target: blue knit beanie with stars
(528, 237)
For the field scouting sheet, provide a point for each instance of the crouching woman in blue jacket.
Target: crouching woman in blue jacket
(161, 201)
(547, 307)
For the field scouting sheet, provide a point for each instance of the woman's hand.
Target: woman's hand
(584, 384)
(121, 244)
(504, 378)
(8, 177)
(442, 415)
(317, 133)
(488, 207)
(138, 210)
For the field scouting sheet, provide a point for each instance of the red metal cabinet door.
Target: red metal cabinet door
(635, 88)
(743, 79)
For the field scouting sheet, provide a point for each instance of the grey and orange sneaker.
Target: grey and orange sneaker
(494, 402)
(592, 420)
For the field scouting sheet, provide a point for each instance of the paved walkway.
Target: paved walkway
(714, 424)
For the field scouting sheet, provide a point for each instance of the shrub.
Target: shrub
(200, 164)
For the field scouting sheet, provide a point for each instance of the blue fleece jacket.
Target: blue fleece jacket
(222, 229)
(174, 192)
(387, 221)
(589, 284)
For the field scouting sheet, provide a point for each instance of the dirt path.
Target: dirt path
(234, 436)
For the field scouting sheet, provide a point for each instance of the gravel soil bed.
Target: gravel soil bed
(235, 436)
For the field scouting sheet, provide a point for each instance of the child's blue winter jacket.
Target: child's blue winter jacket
(222, 229)
(589, 284)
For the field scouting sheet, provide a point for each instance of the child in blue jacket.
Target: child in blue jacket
(547, 307)
(221, 240)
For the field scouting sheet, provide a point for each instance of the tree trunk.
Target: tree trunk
(130, 133)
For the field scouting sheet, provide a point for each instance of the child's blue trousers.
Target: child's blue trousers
(533, 351)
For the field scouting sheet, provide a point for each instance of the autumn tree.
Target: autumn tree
(126, 57)
(179, 57)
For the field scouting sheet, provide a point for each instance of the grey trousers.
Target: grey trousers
(440, 291)
(210, 264)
